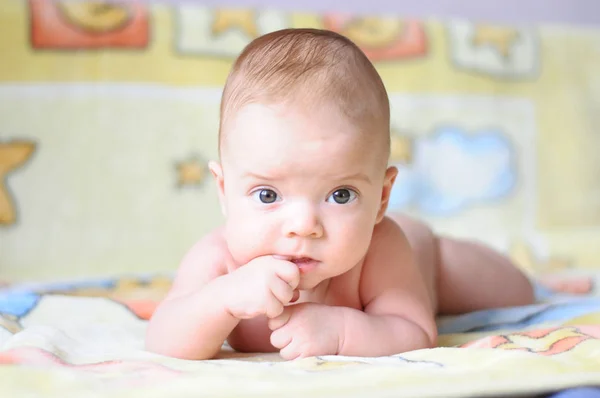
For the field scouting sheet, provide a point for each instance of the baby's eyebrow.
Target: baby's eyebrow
(256, 176)
(349, 177)
(356, 176)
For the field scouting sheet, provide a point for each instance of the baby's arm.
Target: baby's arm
(211, 295)
(398, 315)
(192, 322)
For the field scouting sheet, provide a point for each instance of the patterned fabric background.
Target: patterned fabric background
(109, 113)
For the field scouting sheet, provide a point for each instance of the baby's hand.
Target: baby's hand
(306, 330)
(262, 287)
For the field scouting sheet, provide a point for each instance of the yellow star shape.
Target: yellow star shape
(242, 19)
(523, 256)
(191, 172)
(12, 155)
(498, 37)
(401, 150)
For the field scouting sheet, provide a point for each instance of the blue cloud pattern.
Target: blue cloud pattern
(454, 170)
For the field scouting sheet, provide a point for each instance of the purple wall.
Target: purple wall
(583, 12)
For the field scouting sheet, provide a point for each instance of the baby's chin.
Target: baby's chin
(308, 282)
(312, 282)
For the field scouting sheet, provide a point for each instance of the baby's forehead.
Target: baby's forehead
(266, 126)
(289, 149)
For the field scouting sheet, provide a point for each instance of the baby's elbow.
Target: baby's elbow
(155, 342)
(429, 330)
(155, 347)
(158, 342)
(529, 294)
(162, 347)
(423, 335)
(523, 293)
(431, 337)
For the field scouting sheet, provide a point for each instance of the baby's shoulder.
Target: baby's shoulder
(387, 242)
(207, 259)
(387, 231)
(210, 251)
(214, 239)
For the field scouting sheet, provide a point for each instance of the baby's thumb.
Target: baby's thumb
(295, 297)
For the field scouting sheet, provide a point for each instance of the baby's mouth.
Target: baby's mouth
(301, 260)
(304, 264)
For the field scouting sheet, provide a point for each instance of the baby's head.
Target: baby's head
(304, 144)
(310, 69)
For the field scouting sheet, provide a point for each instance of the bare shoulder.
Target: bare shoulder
(385, 227)
(390, 265)
(391, 282)
(207, 259)
(388, 239)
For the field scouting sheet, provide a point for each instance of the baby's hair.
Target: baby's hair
(310, 67)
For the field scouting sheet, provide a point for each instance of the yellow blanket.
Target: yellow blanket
(86, 339)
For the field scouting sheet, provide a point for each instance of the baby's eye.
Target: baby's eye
(342, 196)
(265, 195)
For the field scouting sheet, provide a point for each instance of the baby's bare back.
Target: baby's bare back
(464, 275)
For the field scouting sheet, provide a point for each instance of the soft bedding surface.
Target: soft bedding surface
(85, 339)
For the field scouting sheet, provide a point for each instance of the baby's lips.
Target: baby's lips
(278, 257)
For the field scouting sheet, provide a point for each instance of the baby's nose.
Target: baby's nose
(303, 220)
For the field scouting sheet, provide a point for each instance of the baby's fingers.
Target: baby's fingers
(288, 272)
(281, 290)
(290, 352)
(274, 308)
(280, 320)
(280, 339)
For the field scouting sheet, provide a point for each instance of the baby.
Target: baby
(307, 262)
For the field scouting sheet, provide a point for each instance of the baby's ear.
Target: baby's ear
(388, 182)
(217, 171)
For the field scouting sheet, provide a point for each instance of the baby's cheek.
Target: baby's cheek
(245, 242)
(357, 242)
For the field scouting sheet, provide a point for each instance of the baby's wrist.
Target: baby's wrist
(222, 293)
